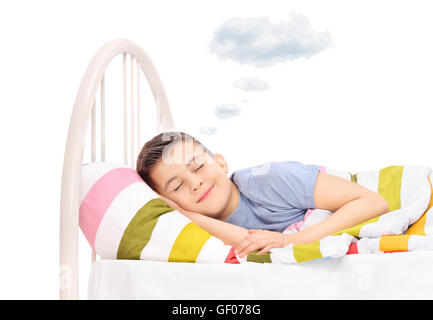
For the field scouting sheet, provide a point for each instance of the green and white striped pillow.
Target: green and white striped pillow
(123, 218)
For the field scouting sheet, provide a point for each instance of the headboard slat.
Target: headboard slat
(103, 118)
(125, 111)
(138, 109)
(93, 132)
(84, 110)
(131, 85)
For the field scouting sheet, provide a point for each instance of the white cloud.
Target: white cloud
(209, 130)
(251, 84)
(257, 41)
(227, 111)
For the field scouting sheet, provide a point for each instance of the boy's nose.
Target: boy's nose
(197, 184)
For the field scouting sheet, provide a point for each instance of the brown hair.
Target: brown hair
(153, 150)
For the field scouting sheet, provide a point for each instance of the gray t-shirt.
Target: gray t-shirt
(273, 195)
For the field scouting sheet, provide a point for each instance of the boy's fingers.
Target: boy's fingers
(243, 247)
(252, 247)
(169, 202)
(245, 243)
(247, 250)
(251, 243)
(265, 250)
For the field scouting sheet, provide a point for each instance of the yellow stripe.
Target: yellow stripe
(418, 227)
(394, 243)
(354, 231)
(188, 243)
(390, 186)
(307, 251)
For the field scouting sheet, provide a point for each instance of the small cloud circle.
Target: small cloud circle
(251, 84)
(227, 111)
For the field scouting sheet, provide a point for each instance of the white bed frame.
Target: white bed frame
(397, 275)
(84, 109)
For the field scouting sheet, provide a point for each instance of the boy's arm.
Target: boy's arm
(229, 233)
(351, 203)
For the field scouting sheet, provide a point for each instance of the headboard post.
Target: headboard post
(75, 144)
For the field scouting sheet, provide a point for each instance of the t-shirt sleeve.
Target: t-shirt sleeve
(283, 184)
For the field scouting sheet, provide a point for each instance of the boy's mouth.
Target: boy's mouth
(204, 196)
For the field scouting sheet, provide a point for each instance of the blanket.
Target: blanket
(408, 226)
(123, 218)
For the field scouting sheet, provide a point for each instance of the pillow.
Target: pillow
(123, 218)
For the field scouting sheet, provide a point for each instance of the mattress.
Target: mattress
(398, 275)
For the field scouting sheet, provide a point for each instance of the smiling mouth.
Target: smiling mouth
(204, 196)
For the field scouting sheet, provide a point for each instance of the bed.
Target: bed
(400, 275)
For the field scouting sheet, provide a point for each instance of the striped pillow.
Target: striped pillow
(123, 218)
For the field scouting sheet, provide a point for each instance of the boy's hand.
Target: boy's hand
(171, 203)
(229, 233)
(176, 207)
(263, 239)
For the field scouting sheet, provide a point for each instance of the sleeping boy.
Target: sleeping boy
(250, 209)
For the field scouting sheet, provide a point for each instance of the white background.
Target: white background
(362, 104)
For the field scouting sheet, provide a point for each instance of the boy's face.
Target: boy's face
(187, 175)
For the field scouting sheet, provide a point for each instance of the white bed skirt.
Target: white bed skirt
(400, 275)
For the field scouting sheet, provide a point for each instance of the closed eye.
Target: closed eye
(194, 171)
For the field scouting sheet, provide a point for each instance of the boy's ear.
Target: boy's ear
(219, 159)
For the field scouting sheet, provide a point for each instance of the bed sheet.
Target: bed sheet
(398, 275)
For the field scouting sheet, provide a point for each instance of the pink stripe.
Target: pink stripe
(99, 198)
(299, 224)
(322, 169)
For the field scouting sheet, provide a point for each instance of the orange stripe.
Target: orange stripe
(394, 243)
(418, 227)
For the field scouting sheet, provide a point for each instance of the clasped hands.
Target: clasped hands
(264, 240)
